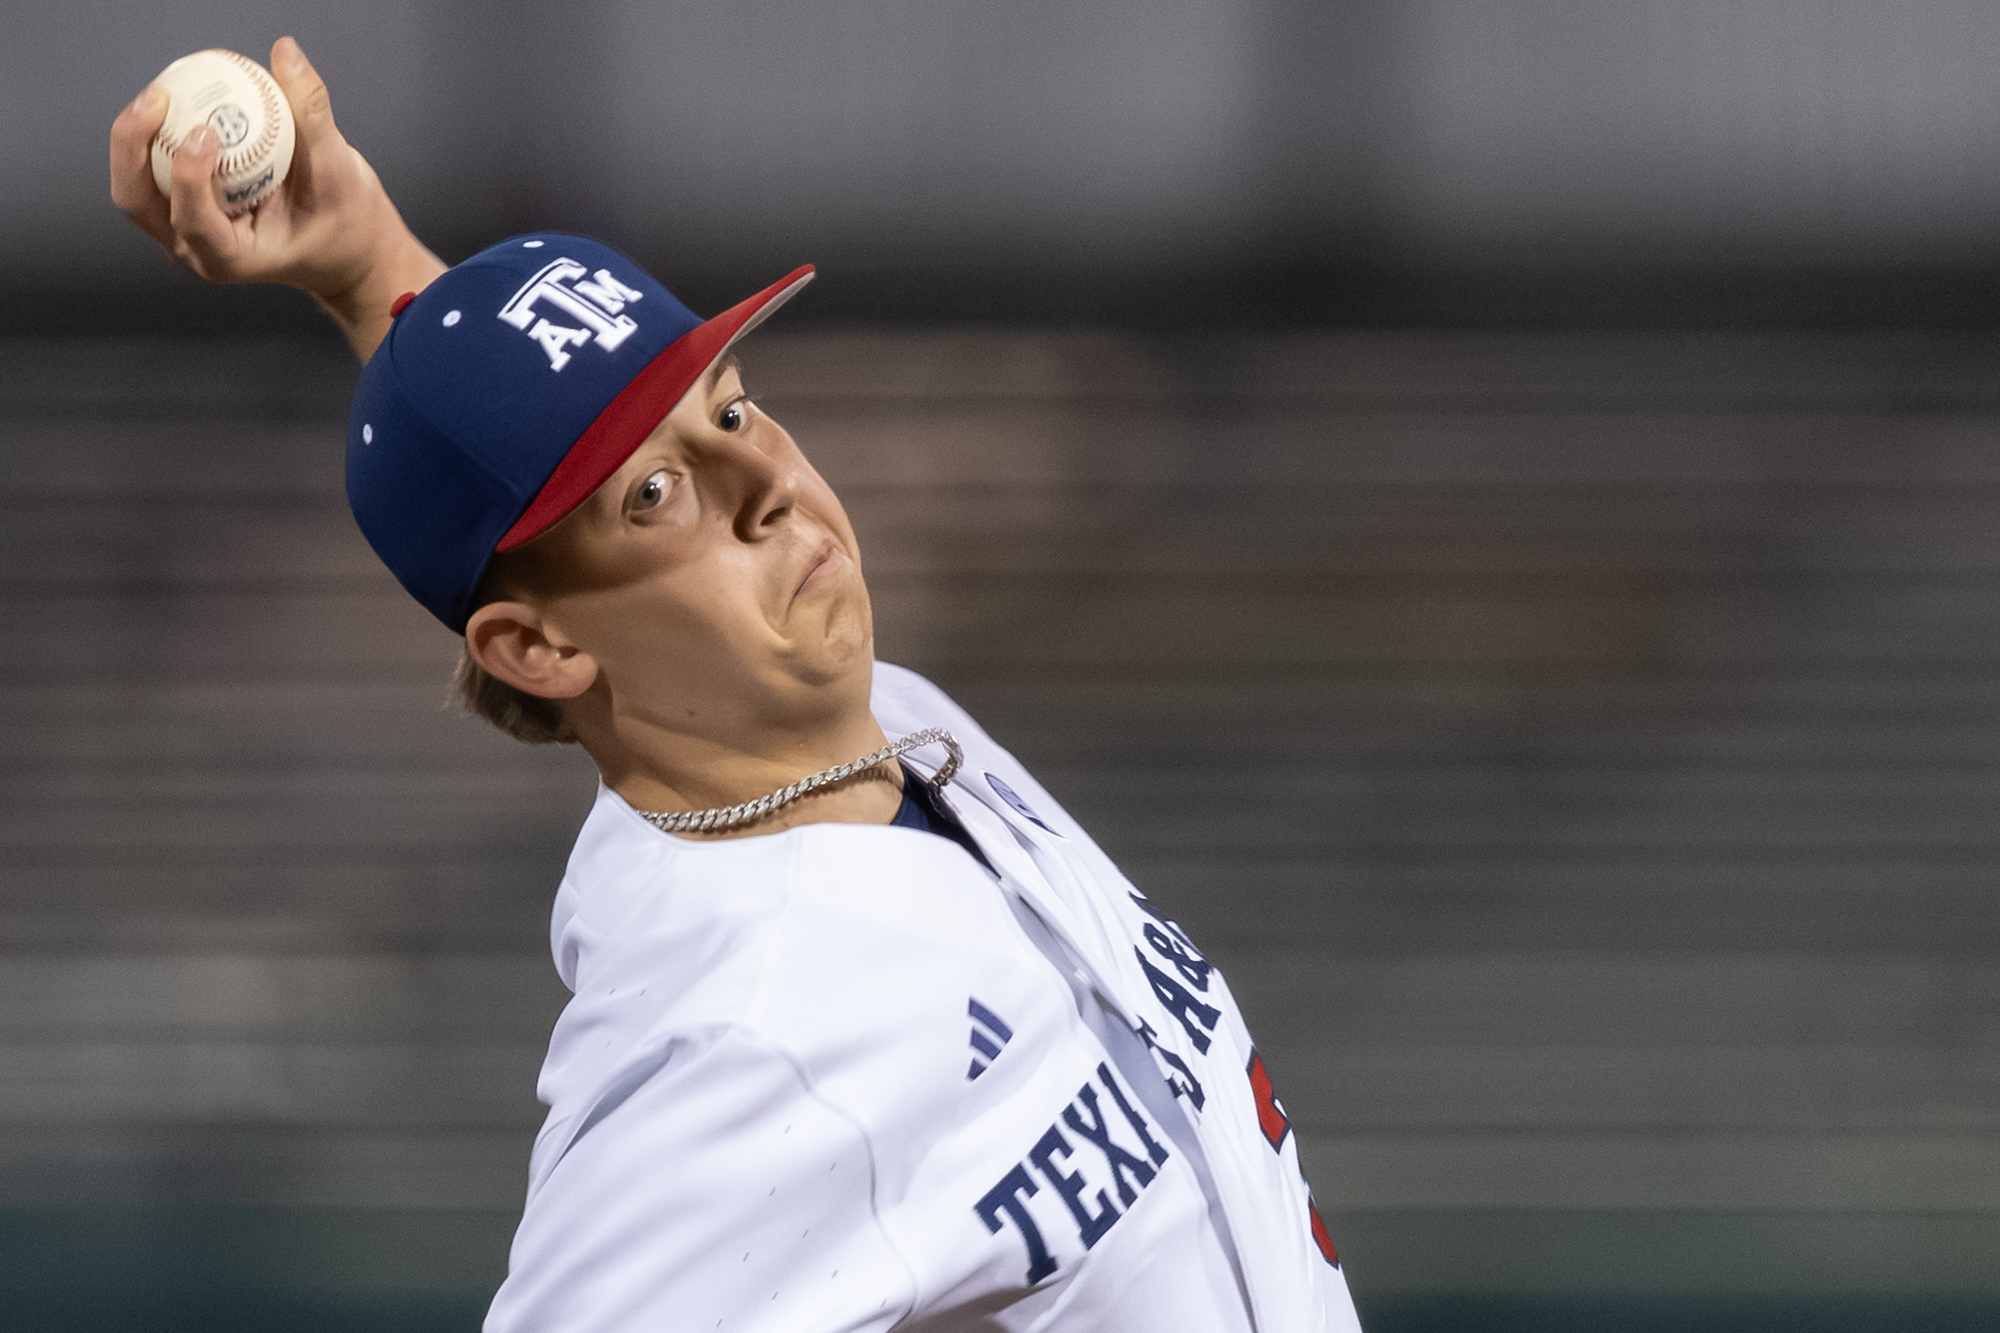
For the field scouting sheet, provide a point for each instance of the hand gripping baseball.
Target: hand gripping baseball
(329, 230)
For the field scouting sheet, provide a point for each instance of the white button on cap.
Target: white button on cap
(531, 245)
(451, 317)
(367, 433)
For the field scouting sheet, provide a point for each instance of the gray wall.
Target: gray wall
(1115, 138)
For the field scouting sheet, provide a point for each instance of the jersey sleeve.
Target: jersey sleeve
(709, 1188)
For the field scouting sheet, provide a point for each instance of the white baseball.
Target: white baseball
(238, 99)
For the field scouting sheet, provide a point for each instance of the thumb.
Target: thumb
(312, 109)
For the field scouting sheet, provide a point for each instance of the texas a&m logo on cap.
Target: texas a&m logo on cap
(561, 288)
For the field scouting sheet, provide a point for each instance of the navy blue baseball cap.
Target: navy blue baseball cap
(507, 391)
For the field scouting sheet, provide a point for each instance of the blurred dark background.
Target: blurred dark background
(1490, 511)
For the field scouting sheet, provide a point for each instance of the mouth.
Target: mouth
(821, 559)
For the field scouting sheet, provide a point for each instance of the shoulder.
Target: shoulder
(630, 887)
(819, 941)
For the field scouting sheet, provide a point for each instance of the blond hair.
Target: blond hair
(526, 717)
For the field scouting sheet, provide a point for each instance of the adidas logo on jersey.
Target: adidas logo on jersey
(989, 1034)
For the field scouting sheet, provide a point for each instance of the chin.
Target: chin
(844, 645)
(850, 642)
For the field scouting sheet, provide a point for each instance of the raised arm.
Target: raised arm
(331, 231)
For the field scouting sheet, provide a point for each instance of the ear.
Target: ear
(512, 642)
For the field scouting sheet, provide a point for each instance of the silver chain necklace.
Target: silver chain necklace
(730, 816)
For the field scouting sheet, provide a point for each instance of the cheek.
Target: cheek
(682, 509)
(850, 622)
(649, 622)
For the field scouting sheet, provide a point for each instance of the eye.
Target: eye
(732, 417)
(651, 491)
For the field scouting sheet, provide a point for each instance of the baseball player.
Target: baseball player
(866, 1033)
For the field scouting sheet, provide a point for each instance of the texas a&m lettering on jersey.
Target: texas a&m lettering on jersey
(1180, 1079)
(1115, 1168)
(1172, 988)
(1171, 943)
(596, 302)
(1178, 986)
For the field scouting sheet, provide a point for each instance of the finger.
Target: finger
(202, 232)
(133, 190)
(312, 108)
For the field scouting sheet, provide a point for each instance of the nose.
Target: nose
(769, 480)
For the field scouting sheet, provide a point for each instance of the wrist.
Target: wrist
(396, 263)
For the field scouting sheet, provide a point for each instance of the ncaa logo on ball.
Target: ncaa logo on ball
(254, 190)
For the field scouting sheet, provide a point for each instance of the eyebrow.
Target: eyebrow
(726, 362)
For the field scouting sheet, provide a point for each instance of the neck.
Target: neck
(654, 766)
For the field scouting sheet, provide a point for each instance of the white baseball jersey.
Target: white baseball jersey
(845, 1077)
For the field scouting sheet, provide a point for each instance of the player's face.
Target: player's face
(714, 578)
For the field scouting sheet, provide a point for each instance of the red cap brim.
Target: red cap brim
(630, 417)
